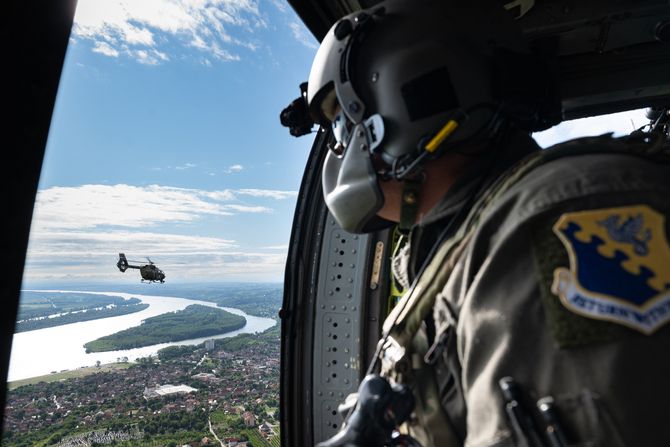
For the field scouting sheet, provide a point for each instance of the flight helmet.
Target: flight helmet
(406, 81)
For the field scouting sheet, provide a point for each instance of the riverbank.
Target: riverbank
(69, 374)
(36, 353)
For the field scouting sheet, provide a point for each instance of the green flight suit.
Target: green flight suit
(561, 281)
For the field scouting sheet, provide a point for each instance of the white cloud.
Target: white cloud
(78, 256)
(234, 168)
(281, 6)
(91, 206)
(303, 36)
(77, 233)
(185, 166)
(222, 267)
(136, 28)
(248, 209)
(149, 57)
(90, 244)
(215, 50)
(620, 123)
(269, 193)
(225, 195)
(106, 49)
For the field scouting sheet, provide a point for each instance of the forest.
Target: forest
(195, 321)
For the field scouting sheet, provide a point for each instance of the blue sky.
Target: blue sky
(165, 142)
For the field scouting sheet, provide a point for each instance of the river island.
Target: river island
(195, 321)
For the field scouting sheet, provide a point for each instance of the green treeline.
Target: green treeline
(237, 343)
(193, 322)
(90, 314)
(43, 304)
(245, 341)
(262, 300)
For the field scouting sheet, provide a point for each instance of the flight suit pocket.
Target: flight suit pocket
(587, 421)
(447, 366)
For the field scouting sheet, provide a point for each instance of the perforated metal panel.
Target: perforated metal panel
(337, 330)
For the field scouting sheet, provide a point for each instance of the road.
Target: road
(211, 430)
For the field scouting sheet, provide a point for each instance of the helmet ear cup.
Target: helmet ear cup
(423, 62)
(417, 91)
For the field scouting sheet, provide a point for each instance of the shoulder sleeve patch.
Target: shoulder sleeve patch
(602, 271)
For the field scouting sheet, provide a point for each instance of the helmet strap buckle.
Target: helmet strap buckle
(409, 205)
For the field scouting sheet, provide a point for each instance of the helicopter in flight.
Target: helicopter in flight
(150, 272)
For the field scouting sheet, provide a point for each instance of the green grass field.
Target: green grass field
(256, 439)
(81, 372)
(275, 441)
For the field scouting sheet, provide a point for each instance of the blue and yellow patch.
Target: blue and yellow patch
(619, 266)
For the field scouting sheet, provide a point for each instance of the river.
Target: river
(39, 352)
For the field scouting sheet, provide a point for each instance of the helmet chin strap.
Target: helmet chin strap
(413, 174)
(409, 203)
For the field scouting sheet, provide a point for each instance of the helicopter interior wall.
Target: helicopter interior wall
(299, 302)
(35, 35)
(608, 56)
(350, 305)
(319, 276)
(339, 324)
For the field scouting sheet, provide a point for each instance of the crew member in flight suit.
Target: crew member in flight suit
(537, 281)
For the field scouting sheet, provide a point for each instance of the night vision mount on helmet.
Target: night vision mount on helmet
(406, 81)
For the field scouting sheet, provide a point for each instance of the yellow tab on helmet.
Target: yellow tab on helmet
(447, 130)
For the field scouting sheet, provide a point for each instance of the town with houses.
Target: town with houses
(224, 392)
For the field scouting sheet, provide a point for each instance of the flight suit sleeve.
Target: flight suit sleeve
(565, 288)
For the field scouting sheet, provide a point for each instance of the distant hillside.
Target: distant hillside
(261, 300)
(193, 322)
(258, 299)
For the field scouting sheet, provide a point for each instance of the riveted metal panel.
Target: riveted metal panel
(337, 330)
